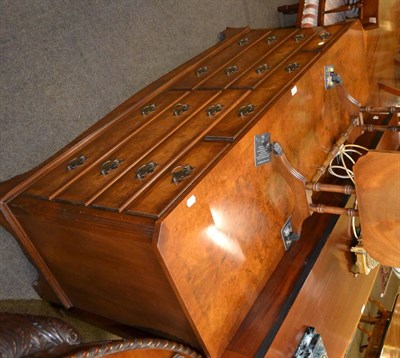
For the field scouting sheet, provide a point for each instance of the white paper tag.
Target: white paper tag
(191, 201)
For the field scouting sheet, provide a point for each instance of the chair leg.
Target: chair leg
(389, 87)
(347, 7)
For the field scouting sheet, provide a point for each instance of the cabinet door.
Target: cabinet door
(96, 146)
(165, 156)
(211, 65)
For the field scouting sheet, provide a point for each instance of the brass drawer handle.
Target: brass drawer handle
(181, 172)
(246, 110)
(76, 162)
(325, 35)
(201, 71)
(262, 68)
(299, 37)
(145, 170)
(148, 109)
(271, 39)
(244, 41)
(109, 165)
(180, 108)
(292, 67)
(230, 70)
(214, 109)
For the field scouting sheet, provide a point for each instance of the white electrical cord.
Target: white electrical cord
(347, 173)
(353, 222)
(344, 151)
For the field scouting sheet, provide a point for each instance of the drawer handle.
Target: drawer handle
(271, 39)
(214, 109)
(180, 108)
(299, 37)
(246, 110)
(230, 70)
(244, 41)
(76, 162)
(262, 68)
(181, 172)
(292, 67)
(148, 109)
(201, 71)
(145, 170)
(325, 35)
(109, 165)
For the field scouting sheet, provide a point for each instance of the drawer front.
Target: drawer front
(324, 37)
(282, 79)
(80, 160)
(138, 145)
(265, 66)
(240, 65)
(124, 191)
(159, 197)
(219, 61)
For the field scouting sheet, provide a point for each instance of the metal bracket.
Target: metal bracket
(299, 37)
(244, 41)
(246, 110)
(288, 236)
(181, 172)
(261, 69)
(76, 162)
(109, 165)
(145, 170)
(231, 70)
(262, 149)
(271, 39)
(201, 71)
(213, 110)
(180, 108)
(331, 78)
(148, 109)
(292, 67)
(324, 35)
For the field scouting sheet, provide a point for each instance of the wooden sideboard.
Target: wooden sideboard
(167, 214)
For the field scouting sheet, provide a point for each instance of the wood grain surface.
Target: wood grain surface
(377, 177)
(290, 121)
(331, 300)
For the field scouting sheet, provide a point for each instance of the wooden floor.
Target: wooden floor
(383, 45)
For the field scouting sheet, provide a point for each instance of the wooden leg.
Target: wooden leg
(347, 7)
(365, 331)
(390, 87)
